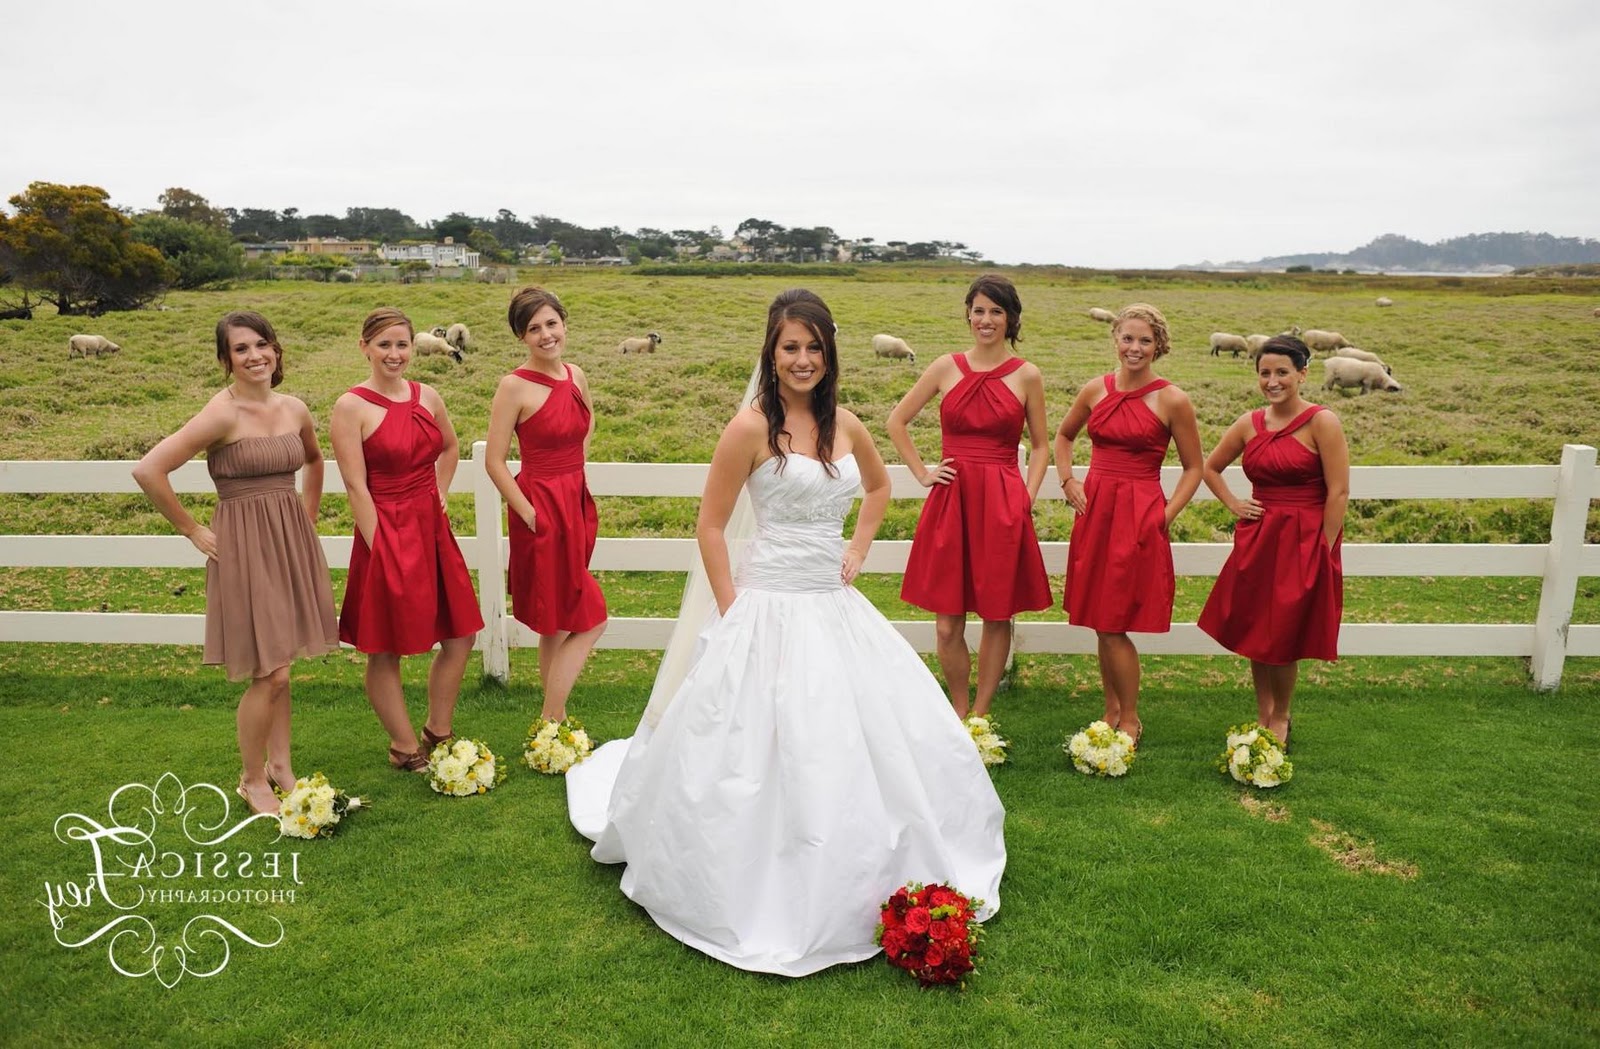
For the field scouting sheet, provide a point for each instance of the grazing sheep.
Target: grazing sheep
(1384, 300)
(439, 331)
(1346, 372)
(459, 336)
(1097, 314)
(87, 345)
(638, 345)
(1596, 312)
(20, 314)
(1221, 340)
(1324, 341)
(890, 346)
(1361, 355)
(428, 344)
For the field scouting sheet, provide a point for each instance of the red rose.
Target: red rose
(942, 896)
(894, 943)
(917, 919)
(891, 920)
(934, 955)
(942, 931)
(899, 902)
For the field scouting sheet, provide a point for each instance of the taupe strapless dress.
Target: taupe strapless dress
(268, 600)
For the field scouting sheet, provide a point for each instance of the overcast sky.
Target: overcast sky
(1140, 133)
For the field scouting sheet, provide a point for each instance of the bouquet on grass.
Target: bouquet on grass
(553, 747)
(931, 932)
(461, 767)
(314, 808)
(1255, 757)
(1101, 750)
(985, 733)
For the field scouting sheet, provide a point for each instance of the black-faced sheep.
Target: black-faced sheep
(90, 346)
(1384, 300)
(1234, 344)
(647, 344)
(892, 346)
(428, 344)
(459, 336)
(439, 331)
(1348, 373)
(1324, 341)
(1104, 316)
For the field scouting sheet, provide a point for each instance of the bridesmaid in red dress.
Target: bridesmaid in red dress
(408, 587)
(1280, 597)
(975, 549)
(1119, 561)
(553, 524)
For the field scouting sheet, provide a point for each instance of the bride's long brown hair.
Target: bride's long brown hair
(798, 304)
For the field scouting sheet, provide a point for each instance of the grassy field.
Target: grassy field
(1428, 877)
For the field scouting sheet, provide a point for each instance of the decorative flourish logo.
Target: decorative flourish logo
(136, 864)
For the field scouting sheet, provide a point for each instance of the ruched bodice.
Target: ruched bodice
(256, 465)
(1127, 437)
(800, 514)
(400, 454)
(980, 418)
(1282, 471)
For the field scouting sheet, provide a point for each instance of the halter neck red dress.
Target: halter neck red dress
(410, 590)
(551, 588)
(1119, 561)
(975, 549)
(1280, 597)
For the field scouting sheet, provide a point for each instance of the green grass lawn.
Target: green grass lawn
(1428, 876)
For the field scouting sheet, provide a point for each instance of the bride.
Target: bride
(808, 764)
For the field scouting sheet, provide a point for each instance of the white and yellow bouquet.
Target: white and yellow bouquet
(1255, 757)
(985, 734)
(314, 808)
(1100, 750)
(462, 767)
(553, 747)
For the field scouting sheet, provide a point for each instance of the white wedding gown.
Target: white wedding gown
(808, 765)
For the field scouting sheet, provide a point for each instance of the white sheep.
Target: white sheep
(1221, 340)
(1597, 311)
(1358, 355)
(439, 331)
(428, 344)
(1384, 300)
(1322, 341)
(638, 345)
(891, 346)
(1346, 372)
(459, 336)
(1098, 314)
(90, 345)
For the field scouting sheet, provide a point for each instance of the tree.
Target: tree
(510, 230)
(322, 226)
(199, 255)
(761, 234)
(384, 224)
(180, 203)
(69, 245)
(485, 244)
(455, 225)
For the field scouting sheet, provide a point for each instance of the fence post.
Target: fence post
(486, 509)
(1574, 488)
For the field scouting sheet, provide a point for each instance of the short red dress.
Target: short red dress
(975, 549)
(1119, 560)
(411, 590)
(1280, 597)
(551, 588)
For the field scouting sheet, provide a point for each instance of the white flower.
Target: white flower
(464, 750)
(1241, 757)
(580, 739)
(1250, 737)
(1266, 777)
(1274, 757)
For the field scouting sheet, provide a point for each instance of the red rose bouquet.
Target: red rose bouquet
(931, 932)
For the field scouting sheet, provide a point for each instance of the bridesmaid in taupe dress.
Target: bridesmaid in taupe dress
(268, 601)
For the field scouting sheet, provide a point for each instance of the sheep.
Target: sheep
(1596, 312)
(890, 346)
(1319, 341)
(638, 345)
(459, 336)
(86, 345)
(344, 276)
(1361, 355)
(439, 331)
(1384, 300)
(1345, 372)
(1221, 340)
(428, 344)
(1105, 316)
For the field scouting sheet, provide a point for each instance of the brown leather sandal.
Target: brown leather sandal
(429, 740)
(412, 762)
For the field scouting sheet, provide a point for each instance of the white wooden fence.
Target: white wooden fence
(1548, 640)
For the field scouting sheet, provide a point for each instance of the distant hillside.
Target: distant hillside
(1474, 253)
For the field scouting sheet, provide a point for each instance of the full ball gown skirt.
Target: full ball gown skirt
(1280, 597)
(1119, 560)
(268, 601)
(975, 549)
(807, 766)
(551, 587)
(413, 590)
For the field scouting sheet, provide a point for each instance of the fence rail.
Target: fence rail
(1548, 640)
